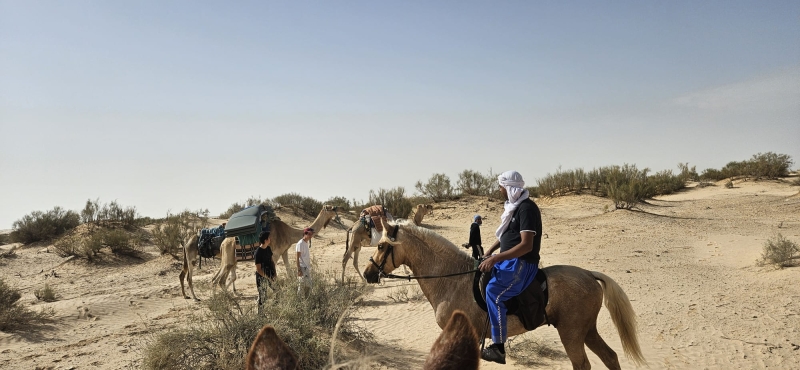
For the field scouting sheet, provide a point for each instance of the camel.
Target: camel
(455, 349)
(282, 235)
(575, 297)
(362, 237)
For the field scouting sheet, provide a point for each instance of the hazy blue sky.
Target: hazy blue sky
(169, 105)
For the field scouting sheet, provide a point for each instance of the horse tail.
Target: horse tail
(622, 315)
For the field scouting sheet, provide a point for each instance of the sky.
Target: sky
(174, 105)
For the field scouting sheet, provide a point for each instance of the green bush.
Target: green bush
(779, 251)
(220, 338)
(393, 199)
(120, 242)
(39, 226)
(475, 183)
(176, 228)
(341, 203)
(15, 316)
(308, 205)
(437, 188)
(761, 166)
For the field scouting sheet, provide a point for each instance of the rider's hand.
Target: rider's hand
(487, 264)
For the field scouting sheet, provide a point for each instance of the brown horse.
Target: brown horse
(455, 349)
(575, 297)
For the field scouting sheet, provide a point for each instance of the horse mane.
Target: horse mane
(439, 245)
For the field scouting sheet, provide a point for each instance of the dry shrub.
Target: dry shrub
(221, 337)
(38, 225)
(528, 350)
(404, 294)
(170, 235)
(437, 188)
(46, 293)
(729, 184)
(394, 200)
(15, 316)
(779, 251)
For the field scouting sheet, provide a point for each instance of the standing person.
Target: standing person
(519, 238)
(303, 249)
(265, 268)
(475, 237)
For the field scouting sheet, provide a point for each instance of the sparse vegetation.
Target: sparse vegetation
(308, 205)
(176, 228)
(221, 338)
(528, 350)
(394, 200)
(46, 293)
(15, 316)
(38, 226)
(761, 166)
(403, 294)
(779, 251)
(107, 214)
(475, 183)
(437, 188)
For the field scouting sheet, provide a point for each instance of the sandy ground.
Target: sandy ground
(688, 262)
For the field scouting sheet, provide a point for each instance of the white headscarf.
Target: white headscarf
(515, 187)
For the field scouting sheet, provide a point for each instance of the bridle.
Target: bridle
(390, 252)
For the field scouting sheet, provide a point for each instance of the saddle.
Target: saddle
(209, 245)
(371, 217)
(209, 241)
(528, 306)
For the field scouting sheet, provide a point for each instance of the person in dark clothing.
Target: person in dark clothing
(519, 238)
(265, 268)
(475, 237)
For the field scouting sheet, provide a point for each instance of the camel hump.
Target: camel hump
(270, 352)
(456, 347)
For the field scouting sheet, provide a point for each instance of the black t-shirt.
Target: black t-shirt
(263, 257)
(475, 234)
(525, 218)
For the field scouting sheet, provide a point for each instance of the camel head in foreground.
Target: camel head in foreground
(455, 349)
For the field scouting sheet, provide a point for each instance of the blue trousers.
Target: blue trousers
(509, 279)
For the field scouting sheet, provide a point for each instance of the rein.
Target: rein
(390, 252)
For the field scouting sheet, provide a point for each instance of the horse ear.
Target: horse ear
(270, 352)
(456, 347)
(387, 229)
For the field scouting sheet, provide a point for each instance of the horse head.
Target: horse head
(388, 256)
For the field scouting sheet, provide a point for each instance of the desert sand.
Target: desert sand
(688, 262)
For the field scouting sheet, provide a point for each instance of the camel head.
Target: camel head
(327, 213)
(389, 255)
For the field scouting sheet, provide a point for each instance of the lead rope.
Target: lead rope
(485, 327)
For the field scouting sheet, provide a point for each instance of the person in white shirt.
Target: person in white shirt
(304, 261)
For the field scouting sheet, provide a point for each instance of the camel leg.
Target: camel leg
(232, 279)
(601, 349)
(183, 275)
(347, 255)
(285, 257)
(573, 337)
(355, 264)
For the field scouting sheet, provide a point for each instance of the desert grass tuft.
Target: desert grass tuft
(530, 351)
(220, 337)
(779, 251)
(46, 293)
(14, 316)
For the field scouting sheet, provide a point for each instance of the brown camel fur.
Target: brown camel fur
(575, 297)
(455, 349)
(420, 212)
(361, 238)
(282, 235)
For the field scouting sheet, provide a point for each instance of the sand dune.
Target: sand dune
(687, 261)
